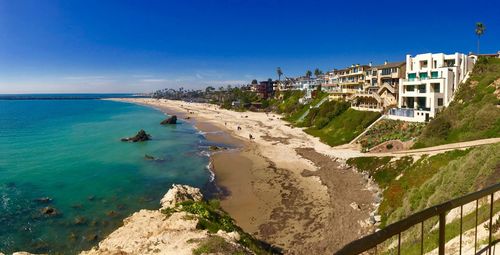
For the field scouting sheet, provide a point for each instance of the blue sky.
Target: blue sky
(49, 46)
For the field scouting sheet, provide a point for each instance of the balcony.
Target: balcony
(402, 112)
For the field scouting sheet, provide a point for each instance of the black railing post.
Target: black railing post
(491, 223)
(442, 228)
(475, 228)
(461, 227)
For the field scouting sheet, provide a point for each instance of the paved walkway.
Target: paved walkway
(441, 148)
(352, 150)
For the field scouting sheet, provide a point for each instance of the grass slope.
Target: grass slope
(474, 113)
(345, 127)
(386, 130)
(410, 186)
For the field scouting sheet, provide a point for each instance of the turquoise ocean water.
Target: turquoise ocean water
(70, 151)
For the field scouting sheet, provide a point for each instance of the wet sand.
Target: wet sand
(295, 198)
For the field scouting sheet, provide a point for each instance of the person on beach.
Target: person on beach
(250, 136)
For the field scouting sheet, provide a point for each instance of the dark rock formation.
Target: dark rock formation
(149, 157)
(139, 137)
(43, 200)
(171, 120)
(215, 148)
(49, 211)
(152, 158)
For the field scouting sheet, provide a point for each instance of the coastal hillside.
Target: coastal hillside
(412, 184)
(185, 224)
(473, 114)
(334, 122)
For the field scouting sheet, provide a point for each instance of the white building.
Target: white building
(429, 85)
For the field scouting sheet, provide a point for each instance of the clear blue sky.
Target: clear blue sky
(138, 46)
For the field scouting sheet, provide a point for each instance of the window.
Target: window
(421, 88)
(386, 71)
(423, 76)
(410, 88)
(434, 75)
(440, 102)
(412, 76)
(423, 64)
(435, 64)
(436, 87)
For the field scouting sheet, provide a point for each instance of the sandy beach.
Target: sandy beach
(284, 186)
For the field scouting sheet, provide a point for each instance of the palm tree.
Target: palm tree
(317, 72)
(279, 72)
(480, 28)
(308, 73)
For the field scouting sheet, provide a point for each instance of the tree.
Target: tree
(308, 73)
(480, 28)
(254, 81)
(209, 89)
(279, 73)
(317, 72)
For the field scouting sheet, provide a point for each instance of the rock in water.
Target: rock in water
(180, 193)
(171, 120)
(149, 157)
(139, 137)
(49, 211)
(43, 200)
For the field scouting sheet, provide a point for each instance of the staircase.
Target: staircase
(301, 118)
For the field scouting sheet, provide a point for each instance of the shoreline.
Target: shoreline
(284, 186)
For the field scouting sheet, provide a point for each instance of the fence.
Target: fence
(369, 243)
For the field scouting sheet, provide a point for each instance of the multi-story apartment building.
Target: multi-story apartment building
(347, 82)
(264, 89)
(429, 84)
(381, 87)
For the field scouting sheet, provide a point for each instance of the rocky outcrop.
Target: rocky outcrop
(180, 193)
(176, 232)
(216, 148)
(139, 137)
(171, 120)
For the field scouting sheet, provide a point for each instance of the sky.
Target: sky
(98, 46)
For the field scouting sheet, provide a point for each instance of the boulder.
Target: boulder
(149, 157)
(171, 120)
(180, 193)
(49, 211)
(139, 137)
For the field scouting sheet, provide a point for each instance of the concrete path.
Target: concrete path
(346, 151)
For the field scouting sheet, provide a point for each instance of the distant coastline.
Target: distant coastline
(70, 96)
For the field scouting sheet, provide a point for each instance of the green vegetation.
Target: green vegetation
(299, 109)
(290, 102)
(411, 245)
(386, 130)
(473, 114)
(410, 186)
(217, 245)
(429, 180)
(321, 116)
(212, 218)
(344, 127)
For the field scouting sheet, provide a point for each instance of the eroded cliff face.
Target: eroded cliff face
(168, 230)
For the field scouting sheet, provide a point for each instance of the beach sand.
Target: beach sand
(284, 186)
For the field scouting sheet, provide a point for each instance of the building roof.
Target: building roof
(390, 65)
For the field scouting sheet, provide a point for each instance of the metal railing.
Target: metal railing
(369, 243)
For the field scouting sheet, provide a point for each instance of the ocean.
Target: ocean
(68, 149)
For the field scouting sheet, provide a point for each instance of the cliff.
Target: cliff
(185, 224)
